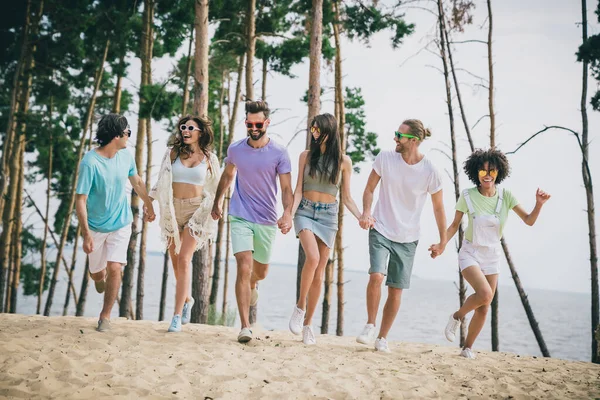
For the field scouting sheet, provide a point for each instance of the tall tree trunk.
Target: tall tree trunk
(201, 59)
(146, 59)
(589, 191)
(118, 87)
(72, 271)
(226, 264)
(163, 287)
(67, 223)
(265, 71)
(11, 270)
(188, 71)
(214, 291)
(327, 297)
(83, 291)
(314, 97)
(200, 284)
(18, 229)
(250, 47)
(139, 301)
(443, 42)
(339, 95)
(13, 139)
(47, 213)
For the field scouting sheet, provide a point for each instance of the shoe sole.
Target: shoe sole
(244, 339)
(358, 340)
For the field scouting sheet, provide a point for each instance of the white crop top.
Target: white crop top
(194, 175)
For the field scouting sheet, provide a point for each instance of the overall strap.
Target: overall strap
(468, 201)
(500, 199)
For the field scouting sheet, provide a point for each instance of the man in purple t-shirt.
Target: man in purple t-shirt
(252, 211)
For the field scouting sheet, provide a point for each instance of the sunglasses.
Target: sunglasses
(127, 132)
(314, 129)
(400, 135)
(188, 128)
(493, 172)
(258, 125)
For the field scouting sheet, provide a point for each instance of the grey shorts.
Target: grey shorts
(319, 218)
(392, 259)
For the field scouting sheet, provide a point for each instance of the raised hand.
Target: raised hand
(541, 197)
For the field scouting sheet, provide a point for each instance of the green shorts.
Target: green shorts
(400, 255)
(250, 236)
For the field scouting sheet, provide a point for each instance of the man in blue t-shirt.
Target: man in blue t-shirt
(103, 209)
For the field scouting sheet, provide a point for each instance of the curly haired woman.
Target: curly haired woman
(479, 257)
(185, 190)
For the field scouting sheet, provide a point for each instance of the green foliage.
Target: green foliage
(362, 22)
(30, 273)
(215, 317)
(590, 52)
(159, 102)
(362, 145)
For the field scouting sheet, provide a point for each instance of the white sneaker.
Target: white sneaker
(368, 334)
(245, 335)
(186, 314)
(467, 353)
(382, 345)
(254, 296)
(297, 320)
(451, 328)
(308, 336)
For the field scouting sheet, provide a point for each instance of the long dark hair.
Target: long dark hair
(329, 169)
(205, 139)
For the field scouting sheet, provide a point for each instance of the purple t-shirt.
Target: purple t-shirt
(255, 195)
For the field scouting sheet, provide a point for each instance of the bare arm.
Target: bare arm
(366, 220)
(81, 209)
(299, 182)
(453, 228)
(540, 198)
(287, 198)
(347, 196)
(440, 218)
(224, 184)
(140, 188)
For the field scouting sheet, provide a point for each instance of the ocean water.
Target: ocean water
(563, 317)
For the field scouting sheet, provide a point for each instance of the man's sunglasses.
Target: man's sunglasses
(258, 125)
(400, 135)
(127, 132)
(185, 127)
(493, 172)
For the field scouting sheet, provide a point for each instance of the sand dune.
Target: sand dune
(64, 357)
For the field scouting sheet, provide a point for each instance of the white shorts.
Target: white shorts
(109, 247)
(486, 258)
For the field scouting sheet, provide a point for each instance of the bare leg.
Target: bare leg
(390, 310)
(483, 291)
(259, 272)
(309, 243)
(317, 282)
(480, 314)
(242, 285)
(373, 296)
(113, 282)
(184, 260)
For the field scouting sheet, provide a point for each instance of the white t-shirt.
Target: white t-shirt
(402, 194)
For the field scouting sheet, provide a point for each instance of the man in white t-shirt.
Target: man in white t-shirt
(406, 176)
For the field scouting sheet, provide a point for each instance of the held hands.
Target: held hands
(149, 215)
(366, 221)
(217, 210)
(88, 243)
(436, 249)
(285, 223)
(541, 197)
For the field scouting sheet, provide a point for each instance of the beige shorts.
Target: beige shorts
(185, 209)
(109, 247)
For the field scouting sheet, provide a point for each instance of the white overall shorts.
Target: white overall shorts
(484, 251)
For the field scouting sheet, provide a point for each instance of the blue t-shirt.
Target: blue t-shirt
(255, 195)
(103, 180)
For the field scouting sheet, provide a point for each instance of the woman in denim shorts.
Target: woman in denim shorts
(321, 170)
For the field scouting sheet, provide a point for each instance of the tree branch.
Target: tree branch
(469, 41)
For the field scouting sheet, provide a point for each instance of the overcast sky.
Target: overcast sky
(537, 81)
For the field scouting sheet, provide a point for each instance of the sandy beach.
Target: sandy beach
(64, 357)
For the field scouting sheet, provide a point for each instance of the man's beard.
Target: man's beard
(400, 148)
(258, 135)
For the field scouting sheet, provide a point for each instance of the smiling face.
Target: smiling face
(403, 144)
(188, 135)
(487, 175)
(256, 125)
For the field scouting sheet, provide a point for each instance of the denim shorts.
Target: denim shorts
(393, 259)
(319, 218)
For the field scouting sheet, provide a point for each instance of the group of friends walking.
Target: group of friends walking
(190, 191)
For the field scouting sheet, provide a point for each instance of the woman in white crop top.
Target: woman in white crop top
(185, 191)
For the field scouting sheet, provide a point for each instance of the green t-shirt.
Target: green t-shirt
(486, 206)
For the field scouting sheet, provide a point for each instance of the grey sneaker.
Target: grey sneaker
(100, 285)
(245, 335)
(187, 311)
(103, 325)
